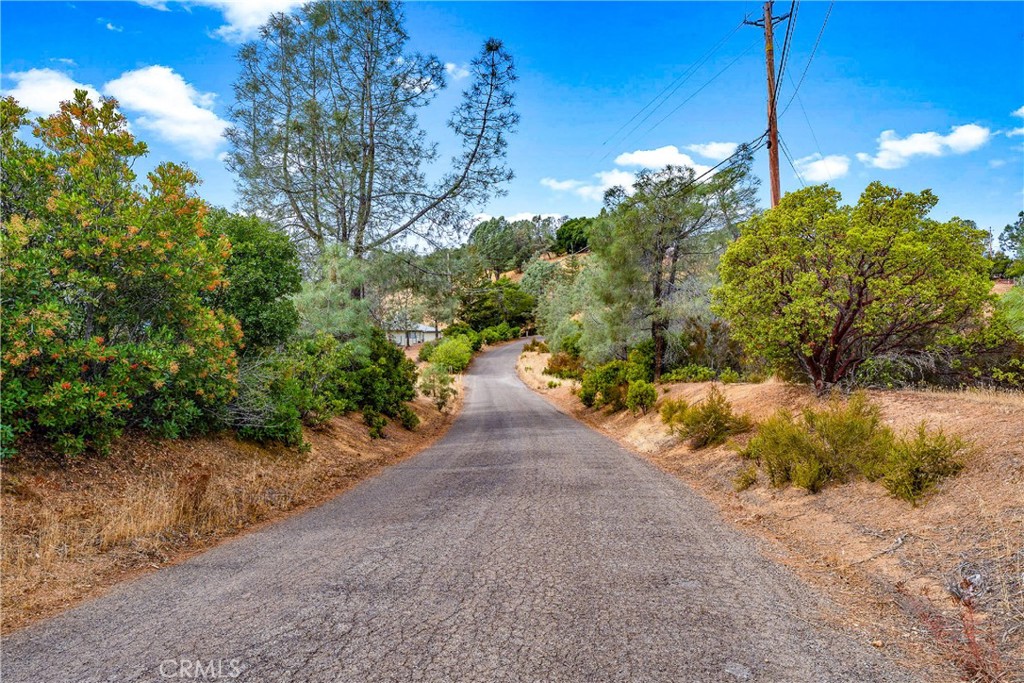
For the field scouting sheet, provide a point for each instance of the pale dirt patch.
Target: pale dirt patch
(889, 563)
(72, 531)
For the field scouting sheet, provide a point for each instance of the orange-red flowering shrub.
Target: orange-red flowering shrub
(104, 324)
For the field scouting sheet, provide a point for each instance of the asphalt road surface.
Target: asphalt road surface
(521, 547)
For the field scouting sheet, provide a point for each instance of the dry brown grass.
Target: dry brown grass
(870, 551)
(72, 530)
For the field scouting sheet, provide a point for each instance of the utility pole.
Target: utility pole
(768, 23)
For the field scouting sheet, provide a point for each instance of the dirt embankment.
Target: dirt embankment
(894, 566)
(71, 531)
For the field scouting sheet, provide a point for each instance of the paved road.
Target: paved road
(521, 547)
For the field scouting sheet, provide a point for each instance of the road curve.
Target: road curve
(521, 547)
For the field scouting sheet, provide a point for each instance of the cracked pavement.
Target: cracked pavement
(522, 546)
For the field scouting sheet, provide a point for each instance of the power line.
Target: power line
(810, 59)
(695, 93)
(787, 43)
(674, 86)
(789, 158)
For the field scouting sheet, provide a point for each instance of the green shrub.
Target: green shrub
(641, 362)
(453, 354)
(689, 373)
(915, 465)
(536, 346)
(728, 376)
(564, 366)
(104, 323)
(827, 445)
(267, 406)
(436, 383)
(464, 330)
(552, 384)
(263, 271)
(318, 378)
(672, 411)
(706, 423)
(571, 344)
(746, 478)
(844, 438)
(499, 333)
(426, 351)
(605, 385)
(641, 396)
(375, 422)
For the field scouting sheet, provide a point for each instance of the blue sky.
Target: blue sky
(918, 95)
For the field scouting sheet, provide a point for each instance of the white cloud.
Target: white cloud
(171, 108)
(997, 163)
(560, 185)
(818, 169)
(64, 60)
(896, 152)
(1014, 132)
(456, 72)
(42, 90)
(594, 189)
(115, 29)
(654, 159)
(243, 17)
(659, 158)
(714, 150)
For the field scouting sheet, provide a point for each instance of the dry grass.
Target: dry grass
(866, 549)
(71, 531)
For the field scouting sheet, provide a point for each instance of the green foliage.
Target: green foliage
(104, 323)
(326, 303)
(690, 373)
(492, 303)
(827, 445)
(426, 351)
(728, 376)
(819, 288)
(552, 384)
(641, 361)
(436, 383)
(317, 378)
(463, 330)
(537, 277)
(1011, 240)
(536, 346)
(453, 354)
(848, 437)
(506, 246)
(746, 478)
(499, 333)
(263, 272)
(1012, 305)
(570, 343)
(327, 139)
(605, 385)
(706, 423)
(647, 243)
(573, 236)
(916, 464)
(641, 396)
(564, 366)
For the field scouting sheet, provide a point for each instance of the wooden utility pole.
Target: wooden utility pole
(768, 23)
